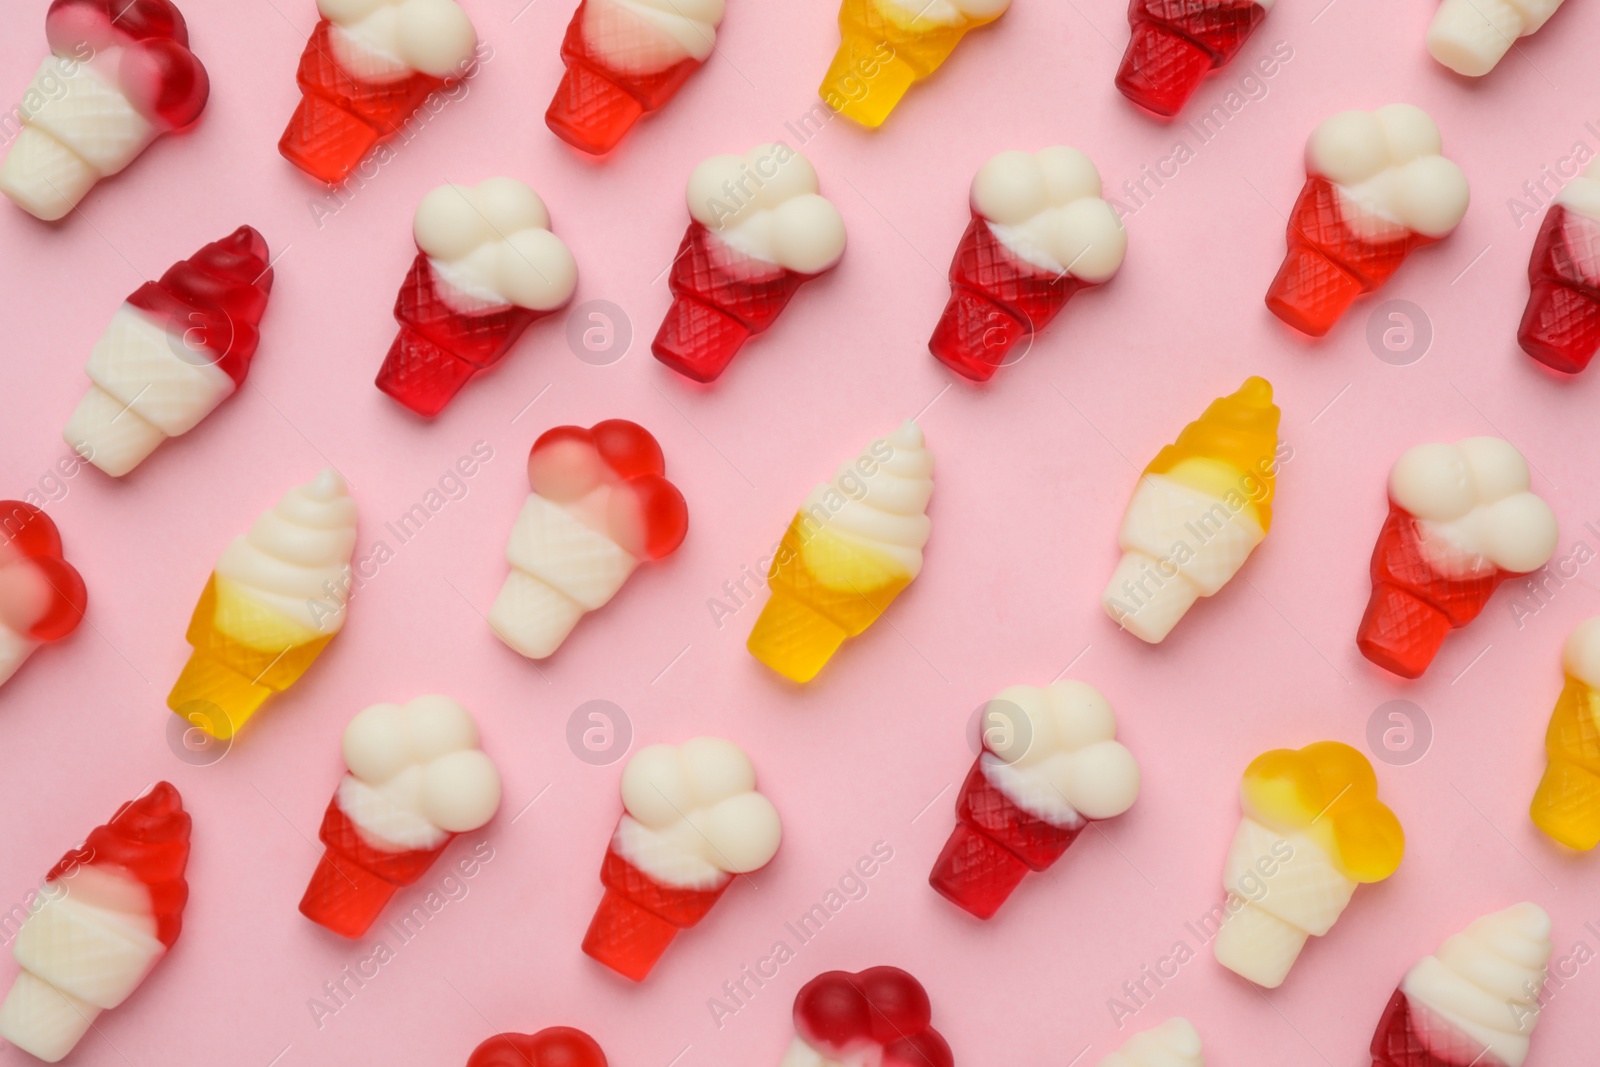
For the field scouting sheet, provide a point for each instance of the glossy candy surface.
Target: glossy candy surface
(1561, 324)
(1566, 806)
(554, 1046)
(1176, 43)
(42, 596)
(880, 1015)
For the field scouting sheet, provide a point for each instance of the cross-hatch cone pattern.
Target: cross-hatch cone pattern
(274, 601)
(1313, 829)
(852, 547)
(1176, 43)
(887, 45)
(1561, 324)
(1200, 508)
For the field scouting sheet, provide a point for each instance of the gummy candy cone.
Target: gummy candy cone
(1175, 1043)
(1200, 508)
(1475, 1001)
(119, 76)
(887, 45)
(554, 1046)
(1039, 233)
(1461, 521)
(487, 268)
(176, 349)
(1567, 803)
(381, 830)
(1561, 325)
(274, 601)
(744, 256)
(600, 505)
(1050, 764)
(692, 820)
(846, 555)
(1313, 830)
(42, 597)
(1174, 47)
(624, 60)
(366, 68)
(1376, 189)
(108, 913)
(881, 1015)
(1472, 36)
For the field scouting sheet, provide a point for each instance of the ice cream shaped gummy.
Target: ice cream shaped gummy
(1376, 189)
(1561, 324)
(881, 1016)
(1461, 521)
(554, 1046)
(416, 779)
(625, 59)
(275, 599)
(1471, 36)
(42, 597)
(487, 268)
(119, 75)
(368, 66)
(1200, 508)
(759, 231)
(1567, 803)
(1050, 764)
(107, 914)
(174, 350)
(886, 45)
(853, 546)
(1174, 46)
(1474, 1001)
(600, 506)
(1039, 233)
(692, 820)
(1175, 1043)
(1313, 830)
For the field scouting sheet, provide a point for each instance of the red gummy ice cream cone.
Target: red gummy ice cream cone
(693, 820)
(42, 597)
(1461, 521)
(879, 1016)
(174, 351)
(1039, 233)
(760, 231)
(1376, 189)
(120, 74)
(363, 75)
(1561, 326)
(554, 1046)
(625, 58)
(417, 779)
(1176, 43)
(1050, 765)
(487, 268)
(108, 913)
(1475, 1002)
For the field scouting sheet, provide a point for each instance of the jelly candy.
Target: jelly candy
(554, 1046)
(1561, 325)
(42, 597)
(1175, 45)
(880, 1016)
(1175, 1043)
(1567, 803)
(1471, 36)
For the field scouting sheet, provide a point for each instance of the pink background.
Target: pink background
(1032, 476)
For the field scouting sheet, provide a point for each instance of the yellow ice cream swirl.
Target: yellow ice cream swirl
(1230, 450)
(1327, 791)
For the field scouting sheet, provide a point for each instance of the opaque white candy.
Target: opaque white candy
(1046, 208)
(766, 204)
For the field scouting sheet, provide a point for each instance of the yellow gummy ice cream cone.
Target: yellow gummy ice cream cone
(274, 601)
(889, 44)
(1567, 803)
(1200, 509)
(851, 548)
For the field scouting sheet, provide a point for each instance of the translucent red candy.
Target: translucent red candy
(839, 1013)
(595, 106)
(555, 1046)
(27, 532)
(149, 839)
(1176, 43)
(215, 299)
(628, 452)
(1397, 1043)
(1561, 326)
(157, 72)
(354, 881)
